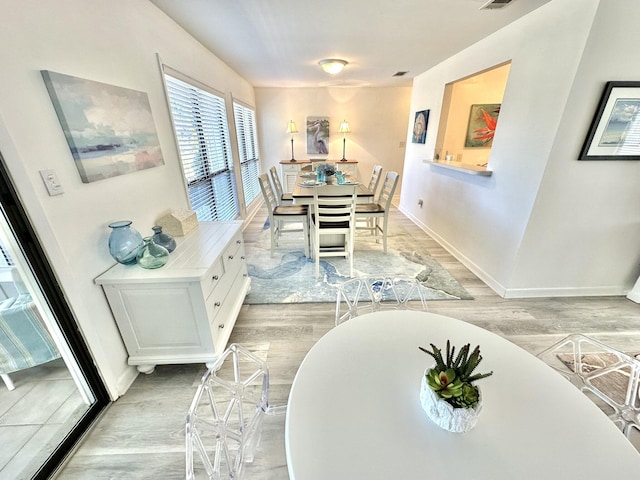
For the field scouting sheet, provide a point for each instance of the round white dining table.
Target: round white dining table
(354, 411)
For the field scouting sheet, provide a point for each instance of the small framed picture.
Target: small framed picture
(420, 127)
(614, 133)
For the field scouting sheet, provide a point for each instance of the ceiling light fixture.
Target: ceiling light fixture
(332, 66)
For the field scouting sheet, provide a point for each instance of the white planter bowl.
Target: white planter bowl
(458, 420)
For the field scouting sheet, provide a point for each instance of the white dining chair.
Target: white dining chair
(333, 215)
(224, 421)
(282, 197)
(281, 217)
(374, 181)
(373, 218)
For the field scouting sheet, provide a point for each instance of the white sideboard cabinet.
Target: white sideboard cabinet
(184, 311)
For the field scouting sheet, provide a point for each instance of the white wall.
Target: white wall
(377, 118)
(114, 42)
(532, 226)
(589, 210)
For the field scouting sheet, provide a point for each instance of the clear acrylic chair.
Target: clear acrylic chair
(610, 378)
(371, 294)
(225, 418)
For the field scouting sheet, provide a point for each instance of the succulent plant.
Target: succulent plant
(452, 377)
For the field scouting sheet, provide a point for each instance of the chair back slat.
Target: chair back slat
(388, 189)
(276, 184)
(267, 193)
(375, 179)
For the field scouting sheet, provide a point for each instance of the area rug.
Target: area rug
(289, 276)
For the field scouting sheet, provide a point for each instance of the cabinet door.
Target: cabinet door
(289, 175)
(350, 169)
(161, 321)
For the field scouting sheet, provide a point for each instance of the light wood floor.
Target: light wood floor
(141, 435)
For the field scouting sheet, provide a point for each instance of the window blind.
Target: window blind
(202, 132)
(248, 150)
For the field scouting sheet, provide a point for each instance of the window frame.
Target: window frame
(229, 207)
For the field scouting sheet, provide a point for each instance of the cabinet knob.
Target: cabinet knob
(230, 257)
(215, 277)
(221, 326)
(242, 258)
(238, 242)
(217, 304)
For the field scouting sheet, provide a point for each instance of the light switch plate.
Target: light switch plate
(50, 179)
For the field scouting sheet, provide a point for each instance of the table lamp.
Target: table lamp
(291, 128)
(344, 129)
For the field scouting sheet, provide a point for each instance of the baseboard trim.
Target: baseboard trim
(603, 291)
(475, 269)
(563, 292)
(125, 381)
(634, 296)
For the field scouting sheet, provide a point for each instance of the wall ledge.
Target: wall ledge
(457, 166)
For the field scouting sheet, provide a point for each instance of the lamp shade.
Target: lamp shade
(332, 66)
(344, 127)
(291, 127)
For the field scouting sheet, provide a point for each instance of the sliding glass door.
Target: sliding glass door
(50, 390)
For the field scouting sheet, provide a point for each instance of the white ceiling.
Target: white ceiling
(278, 43)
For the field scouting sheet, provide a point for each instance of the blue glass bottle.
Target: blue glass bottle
(163, 239)
(124, 242)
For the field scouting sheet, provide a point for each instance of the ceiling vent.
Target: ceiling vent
(495, 4)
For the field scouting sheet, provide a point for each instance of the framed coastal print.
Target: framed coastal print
(483, 119)
(109, 129)
(614, 133)
(318, 135)
(420, 123)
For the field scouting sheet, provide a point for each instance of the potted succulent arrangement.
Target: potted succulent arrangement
(448, 394)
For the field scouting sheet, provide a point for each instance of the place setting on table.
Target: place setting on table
(325, 174)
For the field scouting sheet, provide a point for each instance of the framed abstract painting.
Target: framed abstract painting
(109, 129)
(483, 119)
(614, 133)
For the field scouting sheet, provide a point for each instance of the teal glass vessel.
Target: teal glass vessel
(124, 242)
(152, 255)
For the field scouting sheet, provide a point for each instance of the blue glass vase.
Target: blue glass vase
(124, 242)
(163, 239)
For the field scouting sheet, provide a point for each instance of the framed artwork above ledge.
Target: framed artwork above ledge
(614, 133)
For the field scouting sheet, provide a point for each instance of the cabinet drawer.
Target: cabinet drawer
(233, 255)
(213, 277)
(290, 168)
(220, 307)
